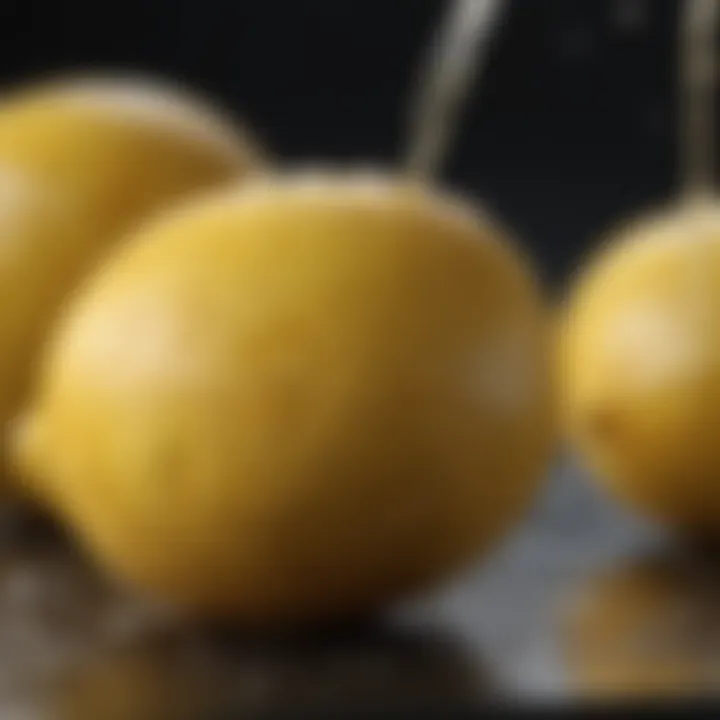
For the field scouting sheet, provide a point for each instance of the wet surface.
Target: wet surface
(583, 602)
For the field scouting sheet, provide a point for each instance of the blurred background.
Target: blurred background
(571, 128)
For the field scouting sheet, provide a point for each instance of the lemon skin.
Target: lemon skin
(81, 162)
(640, 366)
(298, 401)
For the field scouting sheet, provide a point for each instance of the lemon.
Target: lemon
(81, 161)
(297, 401)
(640, 366)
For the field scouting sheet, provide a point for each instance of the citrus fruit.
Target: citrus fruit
(640, 366)
(297, 400)
(82, 160)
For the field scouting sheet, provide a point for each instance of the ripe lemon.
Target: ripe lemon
(640, 364)
(299, 400)
(81, 161)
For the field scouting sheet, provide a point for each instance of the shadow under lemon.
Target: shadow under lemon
(75, 647)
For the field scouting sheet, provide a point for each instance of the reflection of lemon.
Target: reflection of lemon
(645, 629)
(132, 685)
(183, 673)
(297, 400)
(641, 366)
(80, 162)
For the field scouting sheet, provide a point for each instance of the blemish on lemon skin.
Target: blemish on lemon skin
(603, 427)
(507, 374)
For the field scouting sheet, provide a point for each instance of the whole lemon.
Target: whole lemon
(640, 366)
(296, 401)
(81, 161)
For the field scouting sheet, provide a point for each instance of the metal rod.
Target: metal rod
(697, 91)
(456, 57)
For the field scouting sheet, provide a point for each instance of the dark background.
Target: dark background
(572, 128)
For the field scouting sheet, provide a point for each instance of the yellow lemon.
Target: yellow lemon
(640, 366)
(297, 400)
(81, 161)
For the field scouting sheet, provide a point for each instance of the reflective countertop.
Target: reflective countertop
(582, 601)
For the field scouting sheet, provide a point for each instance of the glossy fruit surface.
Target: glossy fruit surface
(298, 400)
(640, 366)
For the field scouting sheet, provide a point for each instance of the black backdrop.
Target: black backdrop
(573, 126)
